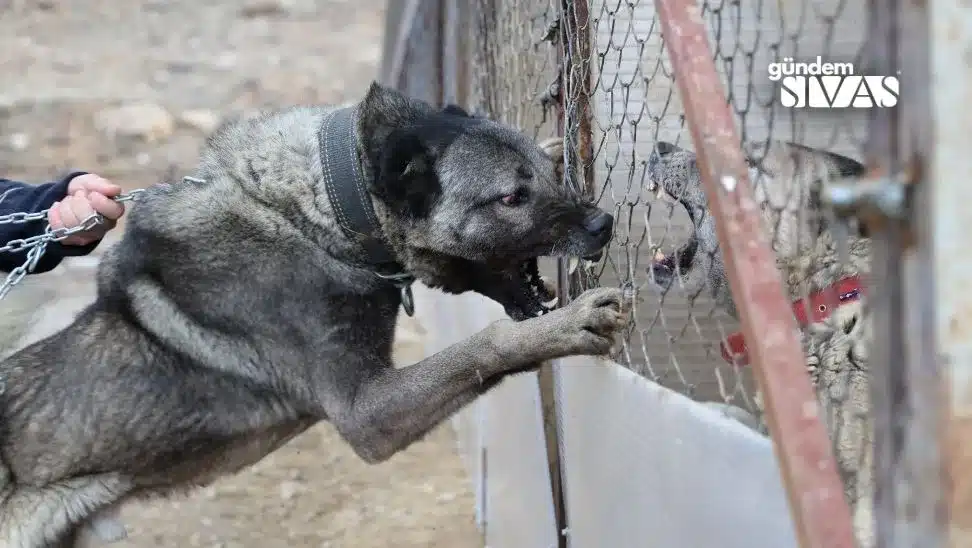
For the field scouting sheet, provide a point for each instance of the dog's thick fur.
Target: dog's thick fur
(234, 313)
(787, 180)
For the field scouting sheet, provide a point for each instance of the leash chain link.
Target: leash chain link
(37, 245)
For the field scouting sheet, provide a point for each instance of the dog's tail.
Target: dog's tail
(19, 311)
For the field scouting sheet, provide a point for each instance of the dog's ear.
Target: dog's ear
(406, 181)
(387, 107)
(847, 167)
(382, 111)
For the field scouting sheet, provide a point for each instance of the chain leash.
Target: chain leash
(37, 245)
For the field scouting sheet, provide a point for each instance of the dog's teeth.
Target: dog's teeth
(549, 285)
(657, 190)
(572, 265)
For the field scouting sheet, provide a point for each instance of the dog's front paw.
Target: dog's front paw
(592, 321)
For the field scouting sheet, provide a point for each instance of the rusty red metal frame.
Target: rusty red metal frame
(820, 513)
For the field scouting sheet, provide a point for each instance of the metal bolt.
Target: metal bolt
(885, 196)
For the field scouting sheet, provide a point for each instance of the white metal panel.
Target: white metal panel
(646, 466)
(501, 437)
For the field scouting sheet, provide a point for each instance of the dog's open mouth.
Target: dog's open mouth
(658, 191)
(535, 297)
(665, 267)
(663, 261)
(517, 286)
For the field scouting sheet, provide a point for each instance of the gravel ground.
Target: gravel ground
(129, 90)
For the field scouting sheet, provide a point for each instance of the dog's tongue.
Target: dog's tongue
(660, 259)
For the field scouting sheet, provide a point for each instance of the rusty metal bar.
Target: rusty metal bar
(576, 91)
(820, 513)
(571, 41)
(577, 81)
(574, 124)
(551, 430)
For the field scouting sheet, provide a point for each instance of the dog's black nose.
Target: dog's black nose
(664, 148)
(599, 223)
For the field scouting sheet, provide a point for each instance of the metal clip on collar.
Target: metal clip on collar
(403, 281)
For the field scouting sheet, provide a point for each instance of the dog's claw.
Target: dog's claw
(597, 316)
(107, 528)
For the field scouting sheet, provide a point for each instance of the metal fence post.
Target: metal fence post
(906, 377)
(950, 84)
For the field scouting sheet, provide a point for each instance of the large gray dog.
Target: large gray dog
(823, 281)
(249, 302)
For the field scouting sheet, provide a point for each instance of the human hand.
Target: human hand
(87, 195)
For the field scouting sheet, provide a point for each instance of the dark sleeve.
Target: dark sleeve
(26, 198)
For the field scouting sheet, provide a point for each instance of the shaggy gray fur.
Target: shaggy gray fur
(234, 313)
(787, 179)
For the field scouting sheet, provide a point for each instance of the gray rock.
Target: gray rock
(202, 120)
(144, 121)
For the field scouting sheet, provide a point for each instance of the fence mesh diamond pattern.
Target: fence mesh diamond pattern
(597, 73)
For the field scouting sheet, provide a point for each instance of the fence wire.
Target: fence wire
(516, 67)
(516, 73)
(628, 147)
(686, 334)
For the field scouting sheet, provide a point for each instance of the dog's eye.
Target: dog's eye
(515, 198)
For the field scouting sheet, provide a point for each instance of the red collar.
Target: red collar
(820, 305)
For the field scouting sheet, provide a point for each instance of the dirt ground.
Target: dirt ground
(129, 90)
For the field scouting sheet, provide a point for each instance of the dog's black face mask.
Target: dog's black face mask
(475, 204)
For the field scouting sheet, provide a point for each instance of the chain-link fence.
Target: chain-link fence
(634, 104)
(734, 216)
(687, 334)
(645, 166)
